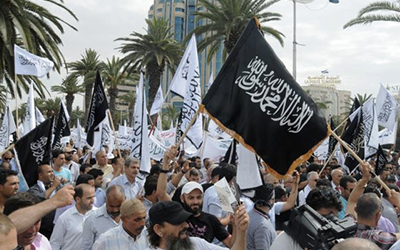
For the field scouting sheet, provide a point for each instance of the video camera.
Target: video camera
(312, 230)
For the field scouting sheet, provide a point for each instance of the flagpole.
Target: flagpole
(344, 144)
(16, 105)
(115, 134)
(153, 124)
(188, 127)
(7, 149)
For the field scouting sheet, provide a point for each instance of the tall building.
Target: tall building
(180, 14)
(322, 89)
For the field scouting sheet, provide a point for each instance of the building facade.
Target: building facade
(180, 14)
(331, 101)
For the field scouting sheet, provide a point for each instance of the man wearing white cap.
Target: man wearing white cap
(202, 224)
(131, 234)
(70, 164)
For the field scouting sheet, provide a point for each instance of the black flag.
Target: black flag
(98, 109)
(62, 128)
(231, 155)
(380, 160)
(179, 132)
(332, 140)
(354, 107)
(34, 149)
(354, 137)
(257, 101)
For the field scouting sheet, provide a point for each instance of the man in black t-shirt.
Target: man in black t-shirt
(201, 224)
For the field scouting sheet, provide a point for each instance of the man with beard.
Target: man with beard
(131, 234)
(106, 217)
(30, 238)
(201, 224)
(168, 229)
(70, 164)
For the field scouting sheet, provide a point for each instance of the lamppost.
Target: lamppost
(294, 73)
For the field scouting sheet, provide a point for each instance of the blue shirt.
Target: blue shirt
(342, 212)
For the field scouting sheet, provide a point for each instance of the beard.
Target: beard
(114, 214)
(191, 210)
(176, 243)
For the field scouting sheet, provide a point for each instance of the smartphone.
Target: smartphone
(192, 164)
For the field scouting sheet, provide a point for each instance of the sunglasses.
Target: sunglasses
(7, 159)
(19, 248)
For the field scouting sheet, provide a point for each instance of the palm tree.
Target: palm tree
(114, 76)
(225, 20)
(76, 114)
(129, 98)
(21, 112)
(377, 11)
(34, 28)
(86, 68)
(48, 107)
(170, 115)
(361, 98)
(70, 87)
(152, 51)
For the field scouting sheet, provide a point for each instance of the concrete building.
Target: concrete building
(322, 89)
(180, 14)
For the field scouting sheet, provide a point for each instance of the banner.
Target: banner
(388, 137)
(257, 101)
(97, 111)
(225, 195)
(386, 106)
(355, 137)
(34, 149)
(29, 64)
(140, 140)
(248, 173)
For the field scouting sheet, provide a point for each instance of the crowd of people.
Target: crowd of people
(106, 202)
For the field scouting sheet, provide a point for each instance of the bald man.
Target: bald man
(336, 175)
(356, 243)
(8, 233)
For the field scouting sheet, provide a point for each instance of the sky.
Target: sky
(363, 56)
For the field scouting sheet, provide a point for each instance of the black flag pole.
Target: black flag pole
(344, 144)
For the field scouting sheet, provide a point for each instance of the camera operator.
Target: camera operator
(325, 201)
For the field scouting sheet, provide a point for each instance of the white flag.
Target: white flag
(30, 115)
(210, 81)
(248, 174)
(157, 103)
(217, 131)
(140, 140)
(192, 99)
(7, 128)
(30, 64)
(225, 195)
(181, 78)
(39, 117)
(388, 137)
(386, 106)
(78, 135)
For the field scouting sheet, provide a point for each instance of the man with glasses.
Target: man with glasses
(347, 184)
(7, 156)
(70, 164)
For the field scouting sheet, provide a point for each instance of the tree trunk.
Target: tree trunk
(113, 92)
(70, 100)
(154, 72)
(88, 99)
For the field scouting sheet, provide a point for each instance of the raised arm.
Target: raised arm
(359, 189)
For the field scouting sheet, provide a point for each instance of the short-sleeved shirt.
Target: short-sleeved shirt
(118, 239)
(260, 233)
(382, 239)
(64, 173)
(206, 226)
(131, 189)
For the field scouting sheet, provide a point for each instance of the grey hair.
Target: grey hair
(130, 160)
(310, 174)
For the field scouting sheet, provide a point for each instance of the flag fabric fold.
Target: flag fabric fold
(29, 64)
(157, 103)
(257, 101)
(140, 140)
(8, 127)
(30, 114)
(34, 149)
(386, 106)
(354, 136)
(62, 131)
(332, 140)
(380, 160)
(97, 111)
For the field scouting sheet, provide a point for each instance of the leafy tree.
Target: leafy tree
(170, 115)
(48, 107)
(223, 21)
(70, 88)
(76, 114)
(113, 77)
(152, 51)
(86, 67)
(388, 11)
(129, 98)
(34, 28)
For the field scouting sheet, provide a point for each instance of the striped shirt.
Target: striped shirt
(382, 239)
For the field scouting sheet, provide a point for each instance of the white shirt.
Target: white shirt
(74, 168)
(118, 239)
(67, 233)
(198, 244)
(303, 195)
(283, 241)
(131, 190)
(97, 223)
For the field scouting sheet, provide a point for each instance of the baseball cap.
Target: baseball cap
(168, 211)
(131, 206)
(190, 186)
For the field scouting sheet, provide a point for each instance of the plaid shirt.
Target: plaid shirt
(382, 239)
